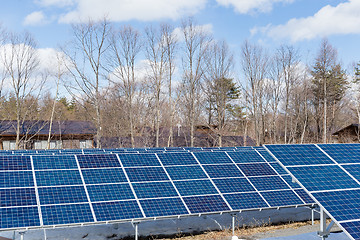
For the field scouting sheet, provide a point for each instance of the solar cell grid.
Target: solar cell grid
(282, 198)
(15, 163)
(97, 176)
(163, 207)
(154, 190)
(353, 228)
(66, 214)
(206, 204)
(354, 170)
(185, 158)
(60, 177)
(19, 217)
(251, 200)
(212, 157)
(256, 169)
(137, 160)
(290, 181)
(17, 197)
(186, 172)
(110, 192)
(233, 185)
(342, 153)
(220, 171)
(195, 187)
(54, 162)
(108, 211)
(98, 161)
(304, 196)
(246, 157)
(58, 195)
(315, 178)
(278, 168)
(146, 174)
(268, 183)
(16, 179)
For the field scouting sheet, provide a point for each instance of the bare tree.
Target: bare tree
(20, 60)
(196, 41)
(125, 47)
(255, 67)
(84, 63)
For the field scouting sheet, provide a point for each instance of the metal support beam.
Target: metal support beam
(136, 226)
(233, 215)
(312, 215)
(22, 233)
(45, 237)
(324, 229)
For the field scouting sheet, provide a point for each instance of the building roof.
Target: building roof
(33, 127)
(351, 127)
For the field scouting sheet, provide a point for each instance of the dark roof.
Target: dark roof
(351, 127)
(8, 128)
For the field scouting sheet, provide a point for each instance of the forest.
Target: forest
(132, 83)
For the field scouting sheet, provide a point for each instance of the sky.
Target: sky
(270, 23)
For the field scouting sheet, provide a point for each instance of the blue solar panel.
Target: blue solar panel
(220, 171)
(177, 158)
(245, 200)
(98, 161)
(154, 190)
(108, 211)
(353, 228)
(315, 178)
(342, 205)
(342, 153)
(212, 157)
(19, 217)
(246, 157)
(195, 187)
(110, 192)
(54, 162)
(163, 207)
(15, 163)
(58, 195)
(206, 204)
(266, 155)
(186, 172)
(282, 198)
(278, 168)
(138, 160)
(233, 185)
(66, 214)
(304, 196)
(291, 155)
(146, 174)
(290, 181)
(96, 176)
(17, 197)
(354, 170)
(268, 183)
(16, 179)
(59, 177)
(257, 169)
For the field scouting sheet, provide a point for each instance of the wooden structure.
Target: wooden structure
(348, 134)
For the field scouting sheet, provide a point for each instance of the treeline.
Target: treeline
(131, 82)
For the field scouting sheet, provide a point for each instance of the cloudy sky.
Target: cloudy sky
(270, 23)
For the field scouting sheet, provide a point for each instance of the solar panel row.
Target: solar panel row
(43, 190)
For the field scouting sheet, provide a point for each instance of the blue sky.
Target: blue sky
(302, 23)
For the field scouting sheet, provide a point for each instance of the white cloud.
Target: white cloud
(123, 10)
(341, 19)
(248, 6)
(206, 28)
(35, 18)
(57, 3)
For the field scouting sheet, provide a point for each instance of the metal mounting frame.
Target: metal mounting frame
(324, 228)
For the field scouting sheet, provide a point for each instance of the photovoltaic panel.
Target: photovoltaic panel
(177, 159)
(281, 198)
(256, 169)
(266, 155)
(353, 169)
(206, 204)
(278, 168)
(15, 163)
(233, 185)
(185, 172)
(59, 177)
(66, 214)
(16, 179)
(291, 181)
(17, 197)
(246, 157)
(251, 200)
(146, 174)
(195, 187)
(304, 196)
(107, 211)
(212, 157)
(54, 162)
(220, 171)
(353, 228)
(106, 175)
(110, 192)
(268, 183)
(138, 160)
(163, 207)
(342, 153)
(98, 161)
(58, 195)
(19, 217)
(154, 190)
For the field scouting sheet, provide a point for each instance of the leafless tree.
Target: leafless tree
(84, 63)
(125, 47)
(196, 41)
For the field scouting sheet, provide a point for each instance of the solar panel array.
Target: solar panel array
(46, 190)
(330, 173)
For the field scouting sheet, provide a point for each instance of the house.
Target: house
(348, 134)
(34, 134)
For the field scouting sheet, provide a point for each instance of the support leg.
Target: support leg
(233, 227)
(22, 235)
(324, 230)
(45, 237)
(136, 225)
(312, 216)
